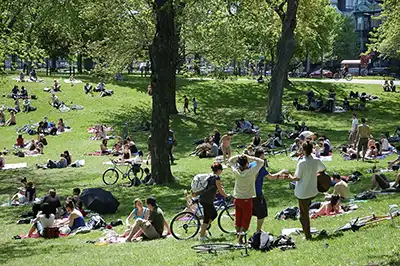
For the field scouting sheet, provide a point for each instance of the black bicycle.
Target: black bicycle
(133, 172)
(186, 224)
(214, 248)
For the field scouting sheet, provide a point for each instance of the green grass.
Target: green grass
(219, 104)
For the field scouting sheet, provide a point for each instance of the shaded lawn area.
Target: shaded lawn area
(220, 103)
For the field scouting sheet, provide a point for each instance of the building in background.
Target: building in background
(364, 13)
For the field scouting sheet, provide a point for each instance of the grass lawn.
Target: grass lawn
(220, 103)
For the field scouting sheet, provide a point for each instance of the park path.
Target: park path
(354, 81)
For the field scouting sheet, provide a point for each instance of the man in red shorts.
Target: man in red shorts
(244, 190)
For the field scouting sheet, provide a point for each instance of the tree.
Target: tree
(346, 44)
(386, 39)
(163, 55)
(285, 49)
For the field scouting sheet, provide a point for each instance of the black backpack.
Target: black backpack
(365, 195)
(288, 213)
(262, 241)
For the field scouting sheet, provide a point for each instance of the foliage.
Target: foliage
(346, 44)
(386, 39)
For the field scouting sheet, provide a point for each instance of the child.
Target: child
(186, 104)
(194, 106)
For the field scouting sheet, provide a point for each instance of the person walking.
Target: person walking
(363, 134)
(185, 104)
(306, 186)
(194, 106)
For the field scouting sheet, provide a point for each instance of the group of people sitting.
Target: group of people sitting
(244, 126)
(32, 76)
(31, 148)
(321, 144)
(375, 148)
(46, 127)
(49, 214)
(26, 193)
(11, 121)
(88, 89)
(389, 86)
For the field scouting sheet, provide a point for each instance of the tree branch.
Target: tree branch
(278, 8)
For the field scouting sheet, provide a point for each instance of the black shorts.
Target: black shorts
(210, 213)
(260, 207)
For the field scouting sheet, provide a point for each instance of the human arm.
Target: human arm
(128, 218)
(220, 188)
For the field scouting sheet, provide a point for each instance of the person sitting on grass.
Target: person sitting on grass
(2, 161)
(54, 101)
(20, 142)
(60, 125)
(2, 118)
(148, 179)
(385, 146)
(386, 86)
(392, 86)
(246, 126)
(67, 157)
(151, 228)
(103, 148)
(244, 190)
(75, 217)
(138, 212)
(15, 92)
(56, 86)
(88, 89)
(208, 196)
(30, 192)
(324, 147)
(12, 121)
(328, 208)
(395, 164)
(44, 219)
(341, 188)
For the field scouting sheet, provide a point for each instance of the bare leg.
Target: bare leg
(203, 229)
(260, 224)
(135, 228)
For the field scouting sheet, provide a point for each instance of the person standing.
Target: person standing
(194, 106)
(244, 190)
(363, 134)
(185, 105)
(225, 144)
(207, 198)
(170, 145)
(306, 187)
(260, 206)
(354, 128)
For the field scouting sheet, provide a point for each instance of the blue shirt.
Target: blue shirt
(260, 178)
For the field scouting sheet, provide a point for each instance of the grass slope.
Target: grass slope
(219, 104)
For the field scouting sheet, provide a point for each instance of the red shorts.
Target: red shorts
(243, 212)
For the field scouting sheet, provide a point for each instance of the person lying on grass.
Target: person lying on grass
(328, 208)
(151, 228)
(44, 219)
(61, 163)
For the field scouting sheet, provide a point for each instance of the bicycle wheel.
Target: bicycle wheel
(135, 172)
(110, 176)
(349, 77)
(336, 76)
(185, 225)
(209, 248)
(226, 219)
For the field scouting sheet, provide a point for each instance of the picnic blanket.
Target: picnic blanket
(346, 209)
(74, 81)
(14, 166)
(380, 157)
(92, 130)
(65, 131)
(96, 153)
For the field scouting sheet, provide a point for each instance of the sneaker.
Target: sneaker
(203, 239)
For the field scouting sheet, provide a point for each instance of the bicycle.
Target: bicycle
(133, 172)
(25, 129)
(286, 115)
(214, 248)
(341, 75)
(356, 224)
(183, 222)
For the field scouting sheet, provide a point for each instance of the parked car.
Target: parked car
(381, 71)
(317, 73)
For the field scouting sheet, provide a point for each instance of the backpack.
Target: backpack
(324, 182)
(365, 195)
(200, 183)
(96, 222)
(284, 242)
(288, 213)
(262, 241)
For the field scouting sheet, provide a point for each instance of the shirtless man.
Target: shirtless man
(225, 144)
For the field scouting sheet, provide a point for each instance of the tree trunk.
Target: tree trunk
(163, 62)
(285, 50)
(80, 63)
